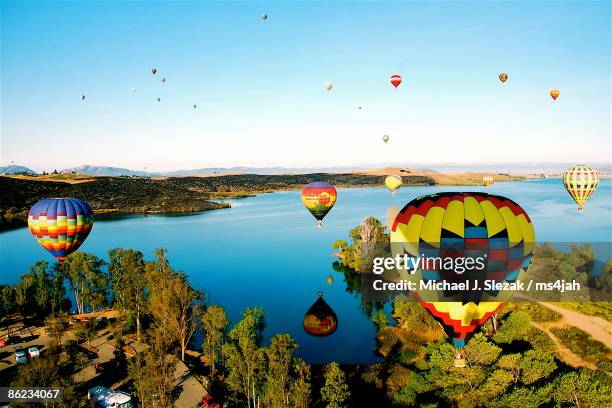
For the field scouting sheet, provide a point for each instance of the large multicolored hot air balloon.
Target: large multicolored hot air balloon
(60, 225)
(319, 197)
(554, 93)
(580, 182)
(320, 320)
(493, 231)
(487, 181)
(393, 182)
(503, 77)
(396, 80)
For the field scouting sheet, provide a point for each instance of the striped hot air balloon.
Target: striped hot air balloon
(60, 225)
(487, 181)
(319, 197)
(503, 77)
(493, 231)
(320, 320)
(554, 93)
(580, 182)
(393, 183)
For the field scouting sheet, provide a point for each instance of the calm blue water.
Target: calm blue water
(265, 251)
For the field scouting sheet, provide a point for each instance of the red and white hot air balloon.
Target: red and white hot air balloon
(396, 80)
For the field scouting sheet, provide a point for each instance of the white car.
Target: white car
(33, 351)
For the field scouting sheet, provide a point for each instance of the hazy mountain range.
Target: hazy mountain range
(443, 168)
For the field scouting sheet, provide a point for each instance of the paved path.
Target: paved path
(192, 390)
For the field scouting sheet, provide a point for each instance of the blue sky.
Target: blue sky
(259, 85)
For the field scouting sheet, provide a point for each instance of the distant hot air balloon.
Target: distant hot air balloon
(163, 79)
(359, 107)
(385, 138)
(82, 97)
(493, 231)
(330, 280)
(487, 180)
(328, 86)
(554, 93)
(319, 197)
(396, 80)
(580, 182)
(264, 17)
(158, 99)
(320, 320)
(60, 225)
(133, 90)
(195, 106)
(503, 77)
(393, 183)
(154, 71)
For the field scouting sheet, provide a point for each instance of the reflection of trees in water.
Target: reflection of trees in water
(354, 281)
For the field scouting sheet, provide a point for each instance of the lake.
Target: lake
(265, 251)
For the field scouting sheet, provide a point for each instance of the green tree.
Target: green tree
(335, 393)
(280, 364)
(380, 319)
(299, 396)
(87, 280)
(536, 365)
(514, 327)
(214, 326)
(244, 357)
(128, 282)
(583, 388)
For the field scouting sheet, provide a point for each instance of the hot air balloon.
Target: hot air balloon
(396, 80)
(554, 93)
(393, 183)
(487, 181)
(163, 79)
(330, 280)
(195, 106)
(82, 97)
(328, 86)
(385, 138)
(264, 17)
(493, 231)
(359, 107)
(158, 99)
(503, 77)
(133, 90)
(580, 182)
(319, 197)
(320, 320)
(60, 225)
(154, 71)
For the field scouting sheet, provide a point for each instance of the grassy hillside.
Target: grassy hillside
(165, 195)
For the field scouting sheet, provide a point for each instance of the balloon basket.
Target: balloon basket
(459, 361)
(319, 224)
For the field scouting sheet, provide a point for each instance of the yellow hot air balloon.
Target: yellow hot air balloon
(328, 86)
(487, 180)
(554, 93)
(385, 138)
(393, 183)
(580, 182)
(495, 233)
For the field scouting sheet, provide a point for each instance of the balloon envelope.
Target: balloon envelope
(554, 93)
(328, 86)
(60, 225)
(580, 182)
(319, 197)
(385, 138)
(396, 80)
(154, 71)
(393, 182)
(264, 17)
(486, 228)
(503, 77)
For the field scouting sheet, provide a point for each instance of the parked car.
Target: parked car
(33, 351)
(20, 355)
(208, 401)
